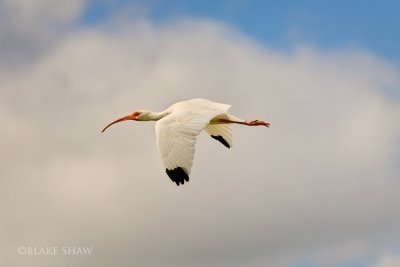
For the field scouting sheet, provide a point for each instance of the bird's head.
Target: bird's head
(140, 115)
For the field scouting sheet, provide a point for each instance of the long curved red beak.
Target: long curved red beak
(125, 118)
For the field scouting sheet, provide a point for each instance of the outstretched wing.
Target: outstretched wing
(220, 132)
(176, 138)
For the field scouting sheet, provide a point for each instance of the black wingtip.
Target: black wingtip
(178, 175)
(222, 140)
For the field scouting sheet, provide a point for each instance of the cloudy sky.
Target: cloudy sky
(319, 188)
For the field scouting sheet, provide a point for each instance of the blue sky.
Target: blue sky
(325, 25)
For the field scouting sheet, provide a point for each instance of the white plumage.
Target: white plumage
(178, 126)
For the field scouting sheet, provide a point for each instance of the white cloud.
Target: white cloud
(30, 27)
(41, 11)
(388, 260)
(322, 177)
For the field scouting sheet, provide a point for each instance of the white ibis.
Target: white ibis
(178, 126)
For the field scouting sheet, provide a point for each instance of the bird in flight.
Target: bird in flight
(178, 126)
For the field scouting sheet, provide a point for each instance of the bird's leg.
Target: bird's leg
(248, 123)
(256, 123)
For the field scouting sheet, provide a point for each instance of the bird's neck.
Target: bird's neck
(155, 116)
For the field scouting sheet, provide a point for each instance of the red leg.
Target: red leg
(256, 123)
(248, 123)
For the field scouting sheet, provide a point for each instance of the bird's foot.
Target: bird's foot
(257, 123)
